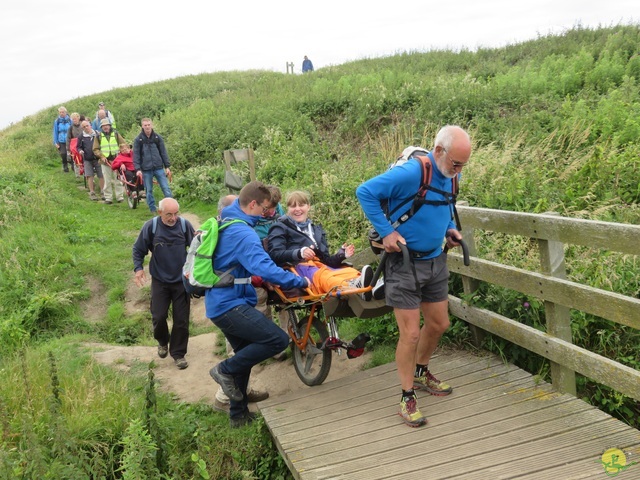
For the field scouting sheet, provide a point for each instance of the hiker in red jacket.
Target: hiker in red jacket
(125, 160)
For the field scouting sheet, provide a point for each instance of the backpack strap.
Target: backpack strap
(236, 281)
(154, 226)
(419, 198)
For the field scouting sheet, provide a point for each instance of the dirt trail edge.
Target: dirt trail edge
(194, 383)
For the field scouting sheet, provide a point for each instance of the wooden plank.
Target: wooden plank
(432, 462)
(624, 379)
(607, 235)
(610, 305)
(351, 457)
(498, 423)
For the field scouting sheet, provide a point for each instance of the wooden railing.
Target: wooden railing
(552, 233)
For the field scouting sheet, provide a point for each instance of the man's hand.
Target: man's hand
(140, 278)
(453, 237)
(139, 174)
(167, 172)
(390, 242)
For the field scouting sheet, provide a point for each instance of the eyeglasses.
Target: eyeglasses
(453, 162)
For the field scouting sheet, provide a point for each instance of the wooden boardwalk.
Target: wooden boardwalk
(498, 423)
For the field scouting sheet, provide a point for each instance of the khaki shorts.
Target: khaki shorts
(400, 282)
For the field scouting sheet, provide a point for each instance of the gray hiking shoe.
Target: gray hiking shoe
(227, 382)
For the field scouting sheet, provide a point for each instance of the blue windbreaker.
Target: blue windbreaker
(239, 246)
(424, 231)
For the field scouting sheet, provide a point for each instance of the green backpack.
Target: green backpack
(198, 274)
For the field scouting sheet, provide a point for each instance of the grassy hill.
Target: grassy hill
(555, 124)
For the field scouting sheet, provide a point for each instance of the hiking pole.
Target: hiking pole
(465, 250)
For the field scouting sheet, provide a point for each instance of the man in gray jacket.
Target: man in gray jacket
(150, 160)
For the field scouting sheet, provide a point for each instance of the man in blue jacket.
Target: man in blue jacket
(150, 160)
(252, 335)
(423, 234)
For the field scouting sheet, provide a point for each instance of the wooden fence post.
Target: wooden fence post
(558, 316)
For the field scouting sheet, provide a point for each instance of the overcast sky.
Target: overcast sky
(52, 52)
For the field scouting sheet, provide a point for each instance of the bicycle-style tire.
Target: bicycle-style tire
(132, 201)
(312, 366)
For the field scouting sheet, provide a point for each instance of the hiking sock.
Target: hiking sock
(408, 394)
(421, 370)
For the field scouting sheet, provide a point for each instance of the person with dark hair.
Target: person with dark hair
(307, 66)
(151, 160)
(422, 286)
(253, 336)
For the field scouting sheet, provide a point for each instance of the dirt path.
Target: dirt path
(194, 383)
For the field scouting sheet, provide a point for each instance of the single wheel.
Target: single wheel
(132, 199)
(312, 364)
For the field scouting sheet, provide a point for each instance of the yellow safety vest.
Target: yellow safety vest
(109, 146)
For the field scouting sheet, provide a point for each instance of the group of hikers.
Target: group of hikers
(262, 237)
(94, 148)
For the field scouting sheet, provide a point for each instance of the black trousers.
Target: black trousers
(62, 151)
(164, 295)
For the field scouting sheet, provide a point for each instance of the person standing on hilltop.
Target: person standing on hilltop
(151, 159)
(307, 66)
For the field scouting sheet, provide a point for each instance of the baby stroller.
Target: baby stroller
(133, 186)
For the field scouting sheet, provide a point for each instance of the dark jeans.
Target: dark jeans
(254, 338)
(163, 295)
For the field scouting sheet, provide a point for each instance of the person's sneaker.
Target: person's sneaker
(120, 200)
(366, 275)
(245, 419)
(227, 382)
(163, 351)
(255, 396)
(102, 198)
(221, 406)
(429, 383)
(378, 289)
(410, 413)
(93, 196)
(107, 202)
(181, 363)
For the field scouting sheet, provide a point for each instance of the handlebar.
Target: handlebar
(383, 259)
(465, 251)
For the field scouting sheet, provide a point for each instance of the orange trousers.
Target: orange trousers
(325, 278)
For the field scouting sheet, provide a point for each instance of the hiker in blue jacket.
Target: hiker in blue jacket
(61, 127)
(423, 234)
(307, 66)
(252, 335)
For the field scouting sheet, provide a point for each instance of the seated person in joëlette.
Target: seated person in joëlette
(296, 240)
(125, 159)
